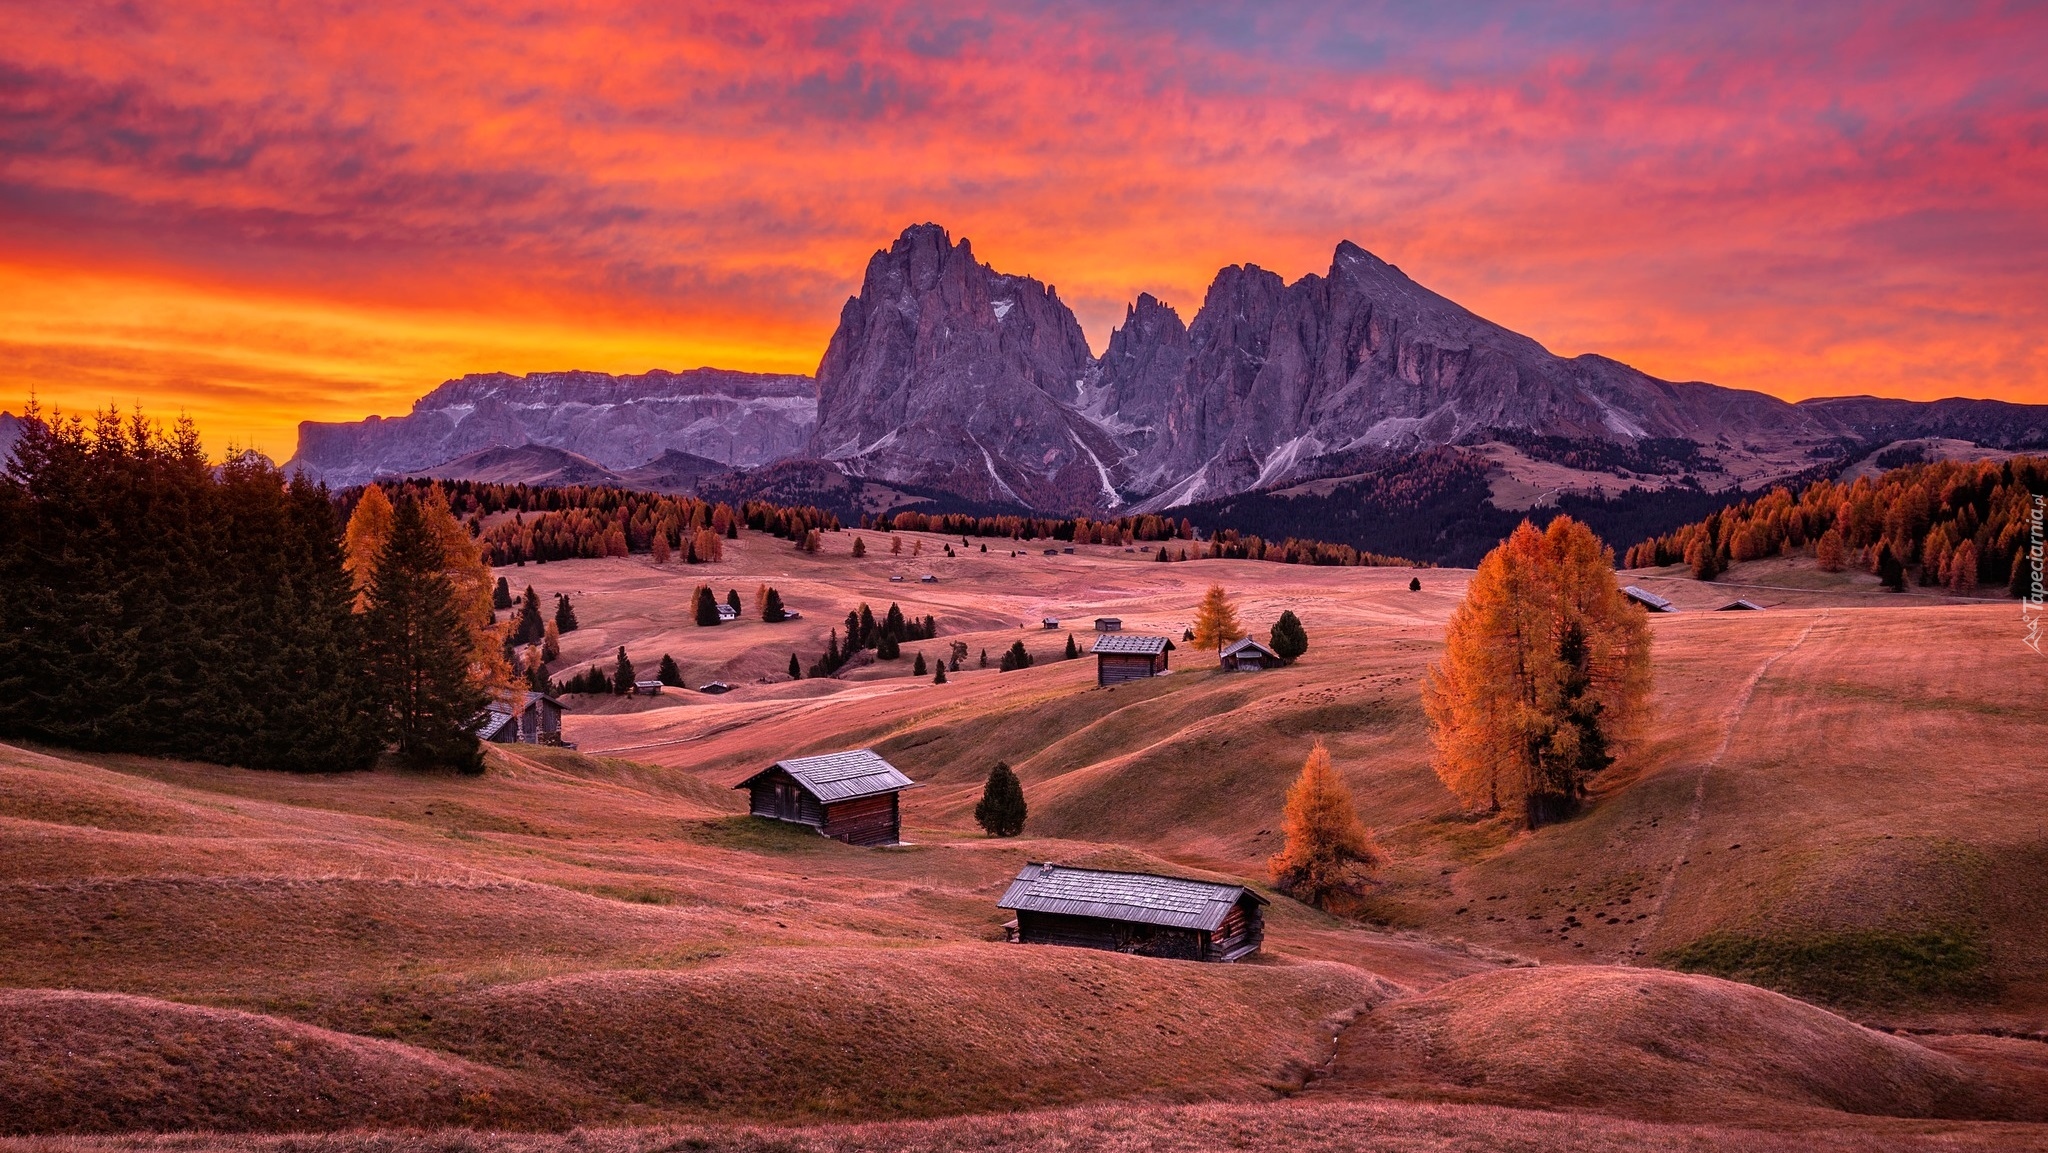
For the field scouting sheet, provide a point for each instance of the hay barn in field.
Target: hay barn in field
(1123, 657)
(849, 796)
(1248, 655)
(528, 719)
(1141, 913)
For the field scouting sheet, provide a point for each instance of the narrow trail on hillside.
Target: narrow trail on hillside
(1633, 953)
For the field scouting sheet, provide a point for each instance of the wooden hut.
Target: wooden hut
(1142, 913)
(1123, 657)
(1649, 600)
(1109, 624)
(526, 718)
(849, 796)
(1740, 606)
(1248, 655)
(647, 688)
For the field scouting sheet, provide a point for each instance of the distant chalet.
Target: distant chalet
(848, 796)
(1248, 655)
(1121, 657)
(527, 718)
(1649, 600)
(1141, 913)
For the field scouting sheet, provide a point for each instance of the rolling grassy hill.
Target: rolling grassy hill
(1834, 800)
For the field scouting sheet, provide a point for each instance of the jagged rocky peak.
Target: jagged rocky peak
(947, 374)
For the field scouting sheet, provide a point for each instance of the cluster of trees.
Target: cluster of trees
(1546, 667)
(1959, 525)
(152, 602)
(1216, 625)
(582, 521)
(620, 681)
(863, 632)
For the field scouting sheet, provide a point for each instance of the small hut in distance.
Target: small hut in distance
(1248, 655)
(1142, 913)
(1649, 600)
(849, 796)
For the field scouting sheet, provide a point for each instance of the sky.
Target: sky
(263, 213)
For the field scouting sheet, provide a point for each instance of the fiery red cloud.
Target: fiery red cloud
(267, 213)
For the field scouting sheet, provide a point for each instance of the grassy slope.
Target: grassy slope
(588, 923)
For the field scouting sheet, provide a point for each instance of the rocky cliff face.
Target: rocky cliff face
(1272, 378)
(737, 419)
(947, 374)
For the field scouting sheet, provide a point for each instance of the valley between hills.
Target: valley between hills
(1805, 913)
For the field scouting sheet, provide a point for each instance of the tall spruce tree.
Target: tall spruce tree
(622, 674)
(531, 628)
(419, 648)
(1001, 810)
(501, 595)
(565, 614)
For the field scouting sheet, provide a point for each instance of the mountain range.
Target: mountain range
(951, 380)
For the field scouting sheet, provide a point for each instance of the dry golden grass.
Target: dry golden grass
(1653, 1044)
(1834, 799)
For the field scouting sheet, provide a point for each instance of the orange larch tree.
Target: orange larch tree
(1328, 851)
(1546, 669)
(1216, 621)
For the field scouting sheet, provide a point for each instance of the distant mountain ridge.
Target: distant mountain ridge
(737, 419)
(947, 377)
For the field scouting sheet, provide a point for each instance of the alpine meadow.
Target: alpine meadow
(1432, 578)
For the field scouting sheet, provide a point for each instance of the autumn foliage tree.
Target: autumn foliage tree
(1328, 851)
(1546, 668)
(1216, 621)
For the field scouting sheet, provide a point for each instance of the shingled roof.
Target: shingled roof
(1129, 643)
(841, 776)
(1648, 599)
(1238, 646)
(1146, 898)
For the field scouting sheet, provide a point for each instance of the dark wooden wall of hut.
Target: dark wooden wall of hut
(864, 821)
(778, 796)
(1115, 668)
(1115, 936)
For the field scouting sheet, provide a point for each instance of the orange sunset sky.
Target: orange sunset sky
(262, 213)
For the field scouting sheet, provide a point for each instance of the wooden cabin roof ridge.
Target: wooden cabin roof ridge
(1145, 898)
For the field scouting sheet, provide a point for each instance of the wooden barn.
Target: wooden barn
(1121, 657)
(849, 796)
(1141, 913)
(1248, 655)
(1649, 600)
(1109, 624)
(527, 718)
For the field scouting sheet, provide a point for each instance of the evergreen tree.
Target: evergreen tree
(531, 628)
(322, 713)
(917, 667)
(860, 548)
(1288, 639)
(940, 677)
(565, 614)
(796, 670)
(1001, 810)
(622, 674)
(732, 601)
(705, 607)
(1327, 850)
(931, 627)
(670, 674)
(1890, 573)
(1415, 584)
(1073, 650)
(501, 595)
(1017, 658)
(771, 608)
(984, 658)
(419, 648)
(886, 649)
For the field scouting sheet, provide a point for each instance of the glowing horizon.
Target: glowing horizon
(271, 217)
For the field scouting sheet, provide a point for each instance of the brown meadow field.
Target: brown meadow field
(1806, 911)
